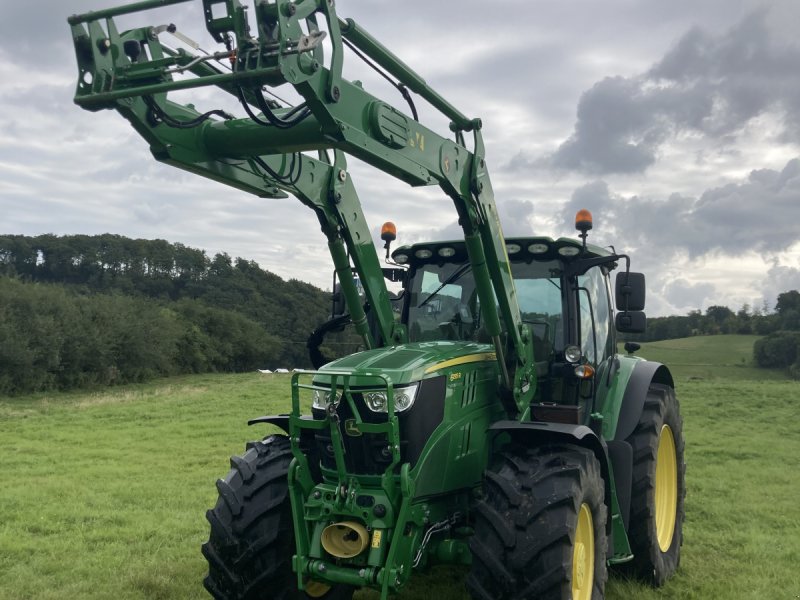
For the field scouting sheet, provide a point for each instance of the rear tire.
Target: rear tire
(540, 528)
(659, 488)
(251, 544)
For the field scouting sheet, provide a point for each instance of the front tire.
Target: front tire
(659, 488)
(251, 544)
(540, 528)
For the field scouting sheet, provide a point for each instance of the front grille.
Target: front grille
(368, 453)
(364, 454)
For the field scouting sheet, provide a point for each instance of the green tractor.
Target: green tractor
(489, 420)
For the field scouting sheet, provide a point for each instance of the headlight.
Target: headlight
(403, 399)
(572, 354)
(321, 398)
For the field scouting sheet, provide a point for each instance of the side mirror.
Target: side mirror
(339, 304)
(631, 321)
(629, 291)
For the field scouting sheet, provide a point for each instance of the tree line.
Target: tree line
(779, 348)
(81, 310)
(722, 320)
(78, 310)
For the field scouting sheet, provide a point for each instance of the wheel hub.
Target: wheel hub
(666, 493)
(580, 553)
(583, 556)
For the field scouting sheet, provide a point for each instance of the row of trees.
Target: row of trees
(722, 320)
(102, 261)
(156, 269)
(54, 338)
(80, 310)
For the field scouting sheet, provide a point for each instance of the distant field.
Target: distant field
(103, 494)
(709, 357)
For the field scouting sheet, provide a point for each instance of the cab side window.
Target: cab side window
(596, 332)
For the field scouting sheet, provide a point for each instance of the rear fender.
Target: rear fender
(626, 414)
(533, 434)
(644, 373)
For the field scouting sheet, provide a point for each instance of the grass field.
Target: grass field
(103, 494)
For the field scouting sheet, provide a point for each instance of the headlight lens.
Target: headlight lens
(376, 401)
(572, 354)
(321, 398)
(403, 399)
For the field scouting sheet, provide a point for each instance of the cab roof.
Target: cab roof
(519, 249)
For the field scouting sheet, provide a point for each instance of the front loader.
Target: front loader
(492, 423)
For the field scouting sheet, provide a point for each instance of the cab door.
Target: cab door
(596, 333)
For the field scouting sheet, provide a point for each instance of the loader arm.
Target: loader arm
(133, 72)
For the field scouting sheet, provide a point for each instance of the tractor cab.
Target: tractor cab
(564, 294)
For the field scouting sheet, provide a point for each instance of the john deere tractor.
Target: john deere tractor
(490, 420)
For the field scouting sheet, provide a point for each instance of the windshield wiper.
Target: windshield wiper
(455, 276)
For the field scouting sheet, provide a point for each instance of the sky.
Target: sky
(676, 123)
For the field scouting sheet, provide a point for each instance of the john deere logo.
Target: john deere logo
(351, 428)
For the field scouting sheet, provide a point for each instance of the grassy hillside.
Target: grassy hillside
(104, 494)
(709, 357)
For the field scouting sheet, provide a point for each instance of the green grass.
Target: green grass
(103, 494)
(710, 357)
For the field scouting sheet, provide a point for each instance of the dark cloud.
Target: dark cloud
(759, 214)
(616, 132)
(594, 196)
(707, 84)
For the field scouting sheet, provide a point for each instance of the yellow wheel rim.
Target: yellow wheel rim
(666, 488)
(316, 589)
(583, 556)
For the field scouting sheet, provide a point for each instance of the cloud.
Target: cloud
(686, 296)
(65, 170)
(758, 214)
(779, 279)
(516, 219)
(709, 85)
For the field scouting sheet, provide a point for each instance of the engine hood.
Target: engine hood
(407, 363)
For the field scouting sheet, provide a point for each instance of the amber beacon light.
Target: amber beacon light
(583, 223)
(388, 235)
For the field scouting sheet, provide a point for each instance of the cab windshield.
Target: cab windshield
(443, 303)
